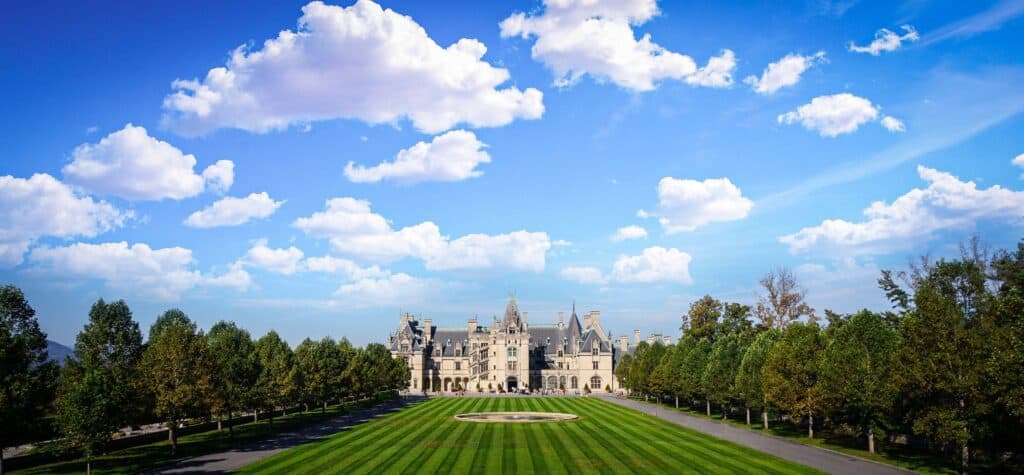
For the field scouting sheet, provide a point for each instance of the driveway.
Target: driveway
(822, 459)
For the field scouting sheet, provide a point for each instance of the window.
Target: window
(595, 365)
(437, 352)
(575, 382)
(559, 365)
(595, 383)
(458, 352)
(512, 365)
(458, 366)
(414, 383)
(512, 352)
(405, 347)
(594, 352)
(559, 353)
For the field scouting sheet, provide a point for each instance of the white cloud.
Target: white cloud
(946, 204)
(584, 275)
(580, 37)
(399, 287)
(629, 232)
(784, 72)
(717, 73)
(345, 267)
(832, 115)
(886, 40)
(354, 230)
(359, 62)
(160, 274)
(987, 20)
(231, 211)
(280, 260)
(1019, 161)
(685, 205)
(654, 264)
(236, 277)
(220, 176)
(131, 164)
(844, 285)
(43, 206)
(893, 124)
(453, 156)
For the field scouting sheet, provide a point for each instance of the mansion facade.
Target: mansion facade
(510, 354)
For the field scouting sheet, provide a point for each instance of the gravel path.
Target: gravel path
(822, 459)
(236, 458)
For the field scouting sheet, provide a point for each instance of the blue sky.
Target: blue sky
(499, 149)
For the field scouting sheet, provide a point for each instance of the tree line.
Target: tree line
(945, 365)
(180, 373)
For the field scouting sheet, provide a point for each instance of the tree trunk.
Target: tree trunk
(1, 461)
(255, 415)
(708, 403)
(871, 441)
(965, 452)
(677, 407)
(764, 416)
(88, 466)
(725, 412)
(231, 425)
(220, 422)
(173, 438)
(748, 416)
(810, 425)
(324, 411)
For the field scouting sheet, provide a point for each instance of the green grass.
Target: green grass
(896, 455)
(424, 438)
(147, 457)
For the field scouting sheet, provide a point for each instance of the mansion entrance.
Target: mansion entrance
(512, 384)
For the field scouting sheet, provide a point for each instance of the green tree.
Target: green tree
(720, 372)
(857, 371)
(1006, 360)
(26, 378)
(322, 365)
(735, 318)
(278, 382)
(942, 364)
(693, 369)
(176, 367)
(234, 369)
(792, 372)
(96, 395)
(702, 319)
(622, 371)
(749, 384)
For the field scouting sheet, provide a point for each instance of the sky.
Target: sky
(319, 168)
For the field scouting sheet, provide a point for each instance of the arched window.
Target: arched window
(561, 382)
(595, 383)
(552, 382)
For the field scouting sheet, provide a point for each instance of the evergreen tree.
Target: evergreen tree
(26, 378)
(96, 395)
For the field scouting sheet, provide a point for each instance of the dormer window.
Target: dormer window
(595, 351)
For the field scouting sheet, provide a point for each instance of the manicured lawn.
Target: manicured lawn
(425, 438)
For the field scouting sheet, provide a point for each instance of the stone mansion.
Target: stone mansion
(511, 354)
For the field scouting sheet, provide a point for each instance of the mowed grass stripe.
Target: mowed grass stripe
(299, 455)
(349, 443)
(571, 448)
(384, 442)
(604, 447)
(724, 454)
(601, 448)
(409, 460)
(608, 438)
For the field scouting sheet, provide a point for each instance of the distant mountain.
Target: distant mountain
(58, 351)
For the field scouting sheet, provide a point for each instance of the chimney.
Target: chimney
(667, 340)
(623, 343)
(561, 319)
(472, 326)
(651, 339)
(595, 316)
(526, 317)
(586, 321)
(636, 334)
(427, 330)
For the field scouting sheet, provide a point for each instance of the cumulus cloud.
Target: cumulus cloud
(356, 231)
(685, 205)
(160, 274)
(575, 38)
(344, 267)
(278, 260)
(453, 156)
(43, 206)
(784, 72)
(131, 164)
(886, 40)
(358, 62)
(893, 124)
(629, 232)
(584, 275)
(946, 204)
(654, 264)
(1019, 161)
(231, 211)
(400, 287)
(835, 115)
